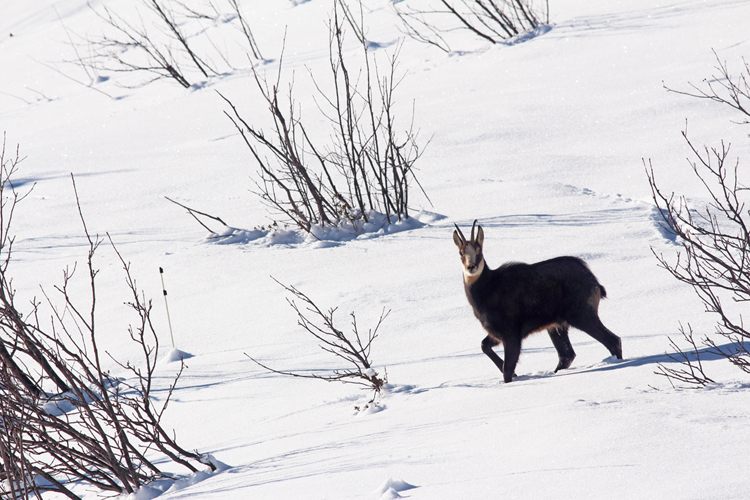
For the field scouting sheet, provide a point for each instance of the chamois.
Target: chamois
(516, 300)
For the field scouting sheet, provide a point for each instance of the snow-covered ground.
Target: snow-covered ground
(543, 141)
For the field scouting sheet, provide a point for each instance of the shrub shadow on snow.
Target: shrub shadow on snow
(528, 35)
(380, 45)
(42, 177)
(658, 217)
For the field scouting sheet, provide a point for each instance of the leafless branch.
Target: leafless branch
(64, 419)
(715, 256)
(724, 88)
(194, 213)
(159, 43)
(246, 30)
(491, 20)
(691, 368)
(368, 165)
(353, 349)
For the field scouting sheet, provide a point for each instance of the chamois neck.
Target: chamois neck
(470, 278)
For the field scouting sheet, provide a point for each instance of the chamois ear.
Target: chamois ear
(457, 240)
(480, 236)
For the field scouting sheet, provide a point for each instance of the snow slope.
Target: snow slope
(542, 141)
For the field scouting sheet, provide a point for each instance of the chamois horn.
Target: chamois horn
(460, 234)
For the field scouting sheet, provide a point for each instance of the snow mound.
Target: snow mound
(369, 408)
(343, 230)
(529, 35)
(59, 406)
(392, 487)
(171, 485)
(390, 495)
(175, 354)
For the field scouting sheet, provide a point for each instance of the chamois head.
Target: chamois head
(471, 251)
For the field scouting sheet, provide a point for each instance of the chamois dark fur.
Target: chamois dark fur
(516, 300)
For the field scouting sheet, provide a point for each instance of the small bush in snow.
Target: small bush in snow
(492, 20)
(367, 166)
(65, 421)
(353, 349)
(715, 239)
(163, 39)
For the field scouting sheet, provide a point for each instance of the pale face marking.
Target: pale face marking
(473, 263)
(471, 253)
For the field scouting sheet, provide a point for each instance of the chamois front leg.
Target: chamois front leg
(487, 344)
(487, 347)
(512, 347)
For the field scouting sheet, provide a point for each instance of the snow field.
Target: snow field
(542, 141)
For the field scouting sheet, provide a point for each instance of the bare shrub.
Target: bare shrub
(368, 166)
(64, 419)
(353, 349)
(246, 31)
(724, 88)
(690, 370)
(715, 239)
(490, 20)
(157, 42)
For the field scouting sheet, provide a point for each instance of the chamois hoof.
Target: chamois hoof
(618, 349)
(564, 364)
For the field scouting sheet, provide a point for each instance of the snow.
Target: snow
(542, 140)
(175, 355)
(344, 229)
(391, 488)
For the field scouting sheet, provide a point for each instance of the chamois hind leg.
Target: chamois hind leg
(560, 340)
(591, 324)
(487, 344)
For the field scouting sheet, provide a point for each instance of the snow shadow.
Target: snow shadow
(609, 363)
(607, 215)
(657, 216)
(705, 353)
(19, 182)
(528, 35)
(634, 21)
